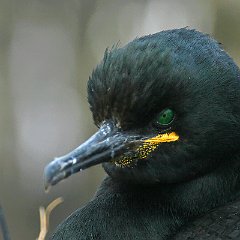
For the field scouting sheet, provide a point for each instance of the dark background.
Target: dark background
(48, 49)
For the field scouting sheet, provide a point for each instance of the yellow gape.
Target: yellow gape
(148, 146)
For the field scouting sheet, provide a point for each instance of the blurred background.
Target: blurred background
(48, 49)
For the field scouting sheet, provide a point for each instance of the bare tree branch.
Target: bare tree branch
(3, 226)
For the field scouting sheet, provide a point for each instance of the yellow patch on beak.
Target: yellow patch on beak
(160, 138)
(148, 146)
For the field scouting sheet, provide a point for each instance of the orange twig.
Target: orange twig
(44, 217)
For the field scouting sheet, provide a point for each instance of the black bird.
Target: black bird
(168, 110)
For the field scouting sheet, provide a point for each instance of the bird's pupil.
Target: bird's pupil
(165, 117)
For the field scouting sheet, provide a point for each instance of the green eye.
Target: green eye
(165, 117)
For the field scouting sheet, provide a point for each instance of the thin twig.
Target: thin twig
(44, 217)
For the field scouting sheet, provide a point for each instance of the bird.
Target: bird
(168, 115)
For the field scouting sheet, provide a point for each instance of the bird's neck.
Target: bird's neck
(164, 208)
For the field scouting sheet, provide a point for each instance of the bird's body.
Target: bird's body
(168, 110)
(130, 212)
(222, 223)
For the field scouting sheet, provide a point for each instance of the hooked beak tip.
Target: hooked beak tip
(50, 177)
(47, 188)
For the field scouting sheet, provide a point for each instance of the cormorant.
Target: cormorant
(167, 106)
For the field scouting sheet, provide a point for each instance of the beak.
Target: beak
(105, 145)
(108, 144)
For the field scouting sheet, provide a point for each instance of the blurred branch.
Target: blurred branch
(3, 225)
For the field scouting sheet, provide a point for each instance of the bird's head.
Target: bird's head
(167, 108)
